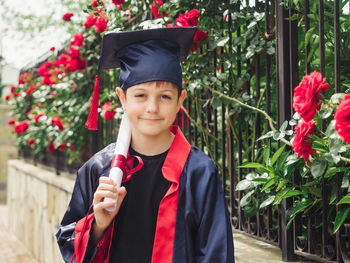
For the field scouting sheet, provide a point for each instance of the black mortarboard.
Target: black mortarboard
(143, 55)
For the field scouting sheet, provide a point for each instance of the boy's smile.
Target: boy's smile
(151, 108)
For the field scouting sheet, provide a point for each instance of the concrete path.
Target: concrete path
(247, 250)
(250, 250)
(11, 250)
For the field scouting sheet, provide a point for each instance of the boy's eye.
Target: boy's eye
(140, 95)
(166, 97)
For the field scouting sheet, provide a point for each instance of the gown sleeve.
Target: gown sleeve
(214, 240)
(77, 209)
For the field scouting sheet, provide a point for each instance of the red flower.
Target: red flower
(100, 25)
(11, 122)
(53, 94)
(71, 147)
(67, 16)
(302, 141)
(30, 90)
(90, 21)
(118, 2)
(73, 53)
(191, 19)
(62, 146)
(37, 117)
(21, 127)
(15, 94)
(56, 121)
(182, 119)
(13, 88)
(51, 147)
(342, 119)
(308, 94)
(94, 3)
(108, 111)
(155, 10)
(30, 141)
(7, 97)
(24, 78)
(52, 49)
(78, 40)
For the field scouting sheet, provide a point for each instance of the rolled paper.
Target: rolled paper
(121, 148)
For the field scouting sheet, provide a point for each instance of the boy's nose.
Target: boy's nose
(152, 105)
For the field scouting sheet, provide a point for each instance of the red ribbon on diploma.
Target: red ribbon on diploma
(126, 164)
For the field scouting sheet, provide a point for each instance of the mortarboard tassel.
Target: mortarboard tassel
(91, 122)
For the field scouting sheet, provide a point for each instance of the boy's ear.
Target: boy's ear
(121, 96)
(181, 99)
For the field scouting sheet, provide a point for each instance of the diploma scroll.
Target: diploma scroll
(121, 148)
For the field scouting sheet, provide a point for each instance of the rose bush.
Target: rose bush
(325, 154)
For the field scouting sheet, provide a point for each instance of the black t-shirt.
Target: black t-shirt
(135, 222)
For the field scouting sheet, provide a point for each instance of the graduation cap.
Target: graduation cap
(143, 56)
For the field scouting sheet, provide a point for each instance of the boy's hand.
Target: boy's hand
(103, 218)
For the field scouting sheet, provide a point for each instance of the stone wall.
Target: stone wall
(37, 199)
(7, 148)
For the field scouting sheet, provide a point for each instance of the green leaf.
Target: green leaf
(308, 36)
(277, 154)
(318, 168)
(265, 136)
(335, 146)
(344, 200)
(246, 199)
(268, 184)
(292, 193)
(340, 218)
(252, 165)
(222, 41)
(266, 154)
(267, 201)
(244, 185)
(280, 195)
(260, 180)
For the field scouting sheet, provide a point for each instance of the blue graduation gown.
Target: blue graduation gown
(193, 222)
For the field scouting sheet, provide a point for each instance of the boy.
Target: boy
(175, 209)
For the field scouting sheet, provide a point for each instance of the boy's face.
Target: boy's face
(151, 106)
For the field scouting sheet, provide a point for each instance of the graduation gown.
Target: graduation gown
(193, 222)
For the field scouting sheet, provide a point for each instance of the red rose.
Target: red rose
(11, 122)
(62, 146)
(118, 2)
(30, 141)
(30, 90)
(155, 10)
(56, 121)
(190, 18)
(90, 21)
(13, 88)
(67, 16)
(342, 119)
(51, 147)
(15, 94)
(25, 77)
(100, 25)
(47, 81)
(53, 94)
(78, 40)
(71, 147)
(308, 94)
(73, 53)
(302, 141)
(182, 118)
(199, 36)
(21, 127)
(7, 97)
(81, 64)
(52, 49)
(37, 117)
(94, 3)
(108, 111)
